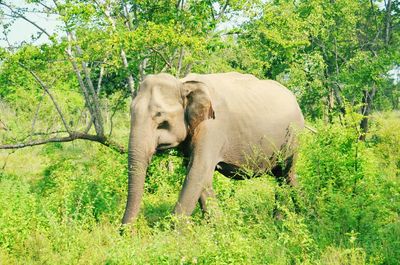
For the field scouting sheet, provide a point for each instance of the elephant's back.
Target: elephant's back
(250, 97)
(252, 113)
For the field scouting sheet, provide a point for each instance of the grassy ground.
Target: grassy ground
(62, 204)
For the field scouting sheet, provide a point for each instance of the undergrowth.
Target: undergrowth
(68, 209)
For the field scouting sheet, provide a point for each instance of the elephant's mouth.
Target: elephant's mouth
(164, 146)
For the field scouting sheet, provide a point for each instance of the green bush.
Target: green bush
(68, 211)
(346, 190)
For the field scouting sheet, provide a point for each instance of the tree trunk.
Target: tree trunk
(366, 110)
(388, 22)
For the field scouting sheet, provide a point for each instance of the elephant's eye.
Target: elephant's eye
(163, 126)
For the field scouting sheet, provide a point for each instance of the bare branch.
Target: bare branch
(49, 133)
(212, 10)
(119, 101)
(36, 113)
(131, 82)
(48, 8)
(3, 126)
(388, 21)
(89, 125)
(181, 55)
(178, 4)
(89, 103)
(94, 97)
(72, 137)
(128, 20)
(222, 11)
(313, 130)
(142, 67)
(37, 142)
(46, 89)
(162, 56)
(100, 79)
(188, 69)
(20, 15)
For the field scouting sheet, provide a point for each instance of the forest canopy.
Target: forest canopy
(333, 55)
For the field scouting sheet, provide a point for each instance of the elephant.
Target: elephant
(223, 121)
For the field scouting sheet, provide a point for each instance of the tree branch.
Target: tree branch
(48, 8)
(72, 137)
(181, 55)
(222, 11)
(131, 82)
(188, 69)
(46, 89)
(36, 114)
(98, 127)
(142, 68)
(212, 10)
(100, 79)
(18, 14)
(162, 56)
(128, 21)
(94, 97)
(388, 21)
(3, 126)
(119, 101)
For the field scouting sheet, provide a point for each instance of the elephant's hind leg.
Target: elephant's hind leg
(285, 174)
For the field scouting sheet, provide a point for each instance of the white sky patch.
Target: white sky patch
(21, 30)
(395, 74)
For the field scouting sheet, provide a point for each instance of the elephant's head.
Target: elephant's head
(164, 112)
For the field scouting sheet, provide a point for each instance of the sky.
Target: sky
(22, 30)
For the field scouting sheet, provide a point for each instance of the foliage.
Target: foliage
(346, 190)
(69, 211)
(327, 52)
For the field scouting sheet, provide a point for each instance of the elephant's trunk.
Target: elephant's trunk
(139, 155)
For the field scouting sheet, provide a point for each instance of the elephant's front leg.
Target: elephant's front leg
(205, 194)
(197, 185)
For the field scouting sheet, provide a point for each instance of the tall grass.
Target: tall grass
(62, 204)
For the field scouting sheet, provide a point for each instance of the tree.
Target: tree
(104, 49)
(330, 53)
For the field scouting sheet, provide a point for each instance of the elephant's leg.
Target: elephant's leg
(291, 176)
(284, 172)
(205, 155)
(198, 179)
(292, 182)
(286, 175)
(205, 194)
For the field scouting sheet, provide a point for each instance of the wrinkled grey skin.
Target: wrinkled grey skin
(222, 121)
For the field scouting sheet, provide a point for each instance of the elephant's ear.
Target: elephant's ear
(197, 104)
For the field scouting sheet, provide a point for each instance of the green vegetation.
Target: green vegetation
(67, 208)
(61, 202)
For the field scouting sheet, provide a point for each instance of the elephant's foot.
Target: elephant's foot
(205, 195)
